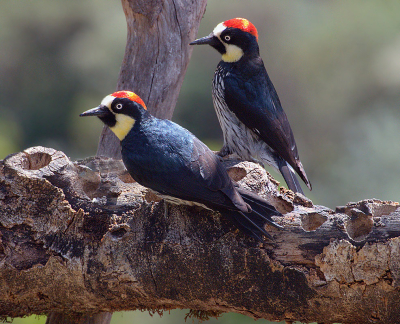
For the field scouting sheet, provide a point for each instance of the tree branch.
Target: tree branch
(82, 237)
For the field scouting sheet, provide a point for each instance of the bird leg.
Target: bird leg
(224, 151)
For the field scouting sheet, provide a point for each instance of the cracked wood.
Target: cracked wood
(83, 237)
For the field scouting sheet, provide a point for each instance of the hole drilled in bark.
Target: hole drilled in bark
(90, 180)
(237, 173)
(37, 160)
(119, 231)
(359, 225)
(311, 222)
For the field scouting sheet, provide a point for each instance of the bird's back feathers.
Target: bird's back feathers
(170, 160)
(251, 96)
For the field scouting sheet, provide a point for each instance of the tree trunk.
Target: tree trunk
(156, 56)
(84, 238)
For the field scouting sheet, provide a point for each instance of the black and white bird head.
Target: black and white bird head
(119, 111)
(233, 39)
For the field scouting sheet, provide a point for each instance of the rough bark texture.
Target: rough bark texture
(156, 56)
(82, 237)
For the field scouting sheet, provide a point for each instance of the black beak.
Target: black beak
(210, 40)
(98, 111)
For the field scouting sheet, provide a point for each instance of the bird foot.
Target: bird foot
(224, 151)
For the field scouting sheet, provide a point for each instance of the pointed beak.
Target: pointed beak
(210, 40)
(98, 111)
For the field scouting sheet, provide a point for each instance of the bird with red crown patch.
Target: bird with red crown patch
(242, 24)
(248, 108)
(177, 166)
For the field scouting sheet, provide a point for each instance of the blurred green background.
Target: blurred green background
(173, 317)
(335, 65)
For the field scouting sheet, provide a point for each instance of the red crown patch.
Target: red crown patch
(130, 95)
(242, 24)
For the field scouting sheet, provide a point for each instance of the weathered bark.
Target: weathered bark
(156, 56)
(84, 238)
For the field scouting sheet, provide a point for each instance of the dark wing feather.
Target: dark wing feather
(172, 161)
(210, 173)
(257, 105)
(251, 96)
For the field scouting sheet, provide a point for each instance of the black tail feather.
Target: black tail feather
(255, 226)
(260, 206)
(253, 223)
(267, 219)
(245, 226)
(289, 176)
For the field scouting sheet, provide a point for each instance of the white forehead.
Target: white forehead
(219, 29)
(107, 101)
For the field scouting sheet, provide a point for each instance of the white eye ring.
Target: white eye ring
(227, 38)
(118, 106)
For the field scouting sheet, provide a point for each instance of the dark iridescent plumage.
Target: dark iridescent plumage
(254, 125)
(171, 161)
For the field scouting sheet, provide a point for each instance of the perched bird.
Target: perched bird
(253, 123)
(171, 161)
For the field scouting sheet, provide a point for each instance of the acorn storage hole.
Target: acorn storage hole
(237, 173)
(37, 160)
(359, 225)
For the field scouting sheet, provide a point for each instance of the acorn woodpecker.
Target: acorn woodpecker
(253, 123)
(172, 162)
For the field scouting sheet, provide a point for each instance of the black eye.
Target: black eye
(118, 106)
(227, 38)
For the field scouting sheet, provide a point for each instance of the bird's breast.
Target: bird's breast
(238, 138)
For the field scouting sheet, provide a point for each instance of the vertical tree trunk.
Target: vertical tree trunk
(156, 56)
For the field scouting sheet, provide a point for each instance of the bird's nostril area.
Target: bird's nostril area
(36, 161)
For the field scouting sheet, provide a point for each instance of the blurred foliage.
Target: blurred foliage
(335, 65)
(56, 58)
(171, 317)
